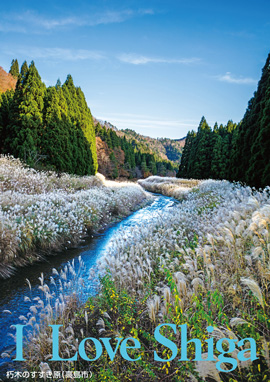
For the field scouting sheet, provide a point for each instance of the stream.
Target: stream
(16, 288)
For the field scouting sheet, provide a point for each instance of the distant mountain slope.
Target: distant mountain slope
(164, 148)
(7, 81)
(106, 124)
(121, 157)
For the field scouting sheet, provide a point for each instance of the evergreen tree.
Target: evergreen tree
(153, 167)
(264, 139)
(201, 152)
(206, 153)
(53, 124)
(26, 115)
(225, 156)
(14, 69)
(108, 139)
(64, 144)
(232, 168)
(222, 140)
(217, 164)
(5, 104)
(55, 146)
(257, 172)
(250, 158)
(80, 115)
(24, 71)
(87, 126)
(186, 156)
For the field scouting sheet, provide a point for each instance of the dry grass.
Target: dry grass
(41, 212)
(174, 187)
(205, 261)
(17, 177)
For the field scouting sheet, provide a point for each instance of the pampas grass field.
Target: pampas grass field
(173, 187)
(205, 261)
(41, 212)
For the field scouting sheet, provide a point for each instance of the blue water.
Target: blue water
(13, 290)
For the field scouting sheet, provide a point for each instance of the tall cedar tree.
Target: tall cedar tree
(53, 126)
(250, 149)
(64, 144)
(184, 167)
(5, 103)
(257, 173)
(80, 115)
(26, 115)
(200, 156)
(14, 68)
(206, 153)
(237, 153)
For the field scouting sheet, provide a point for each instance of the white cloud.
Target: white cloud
(146, 12)
(134, 121)
(228, 77)
(38, 22)
(57, 53)
(111, 17)
(142, 60)
(9, 27)
(66, 54)
(35, 19)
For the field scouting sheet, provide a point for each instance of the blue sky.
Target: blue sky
(153, 66)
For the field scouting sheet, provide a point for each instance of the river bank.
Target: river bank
(172, 187)
(75, 270)
(202, 262)
(45, 212)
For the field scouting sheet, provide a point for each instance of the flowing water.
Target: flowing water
(13, 290)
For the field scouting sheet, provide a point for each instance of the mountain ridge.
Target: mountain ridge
(164, 148)
(119, 153)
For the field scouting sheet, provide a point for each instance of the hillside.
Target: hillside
(163, 148)
(118, 157)
(111, 162)
(65, 123)
(105, 124)
(7, 81)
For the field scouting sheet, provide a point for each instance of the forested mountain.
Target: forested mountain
(234, 152)
(163, 148)
(52, 127)
(173, 148)
(119, 157)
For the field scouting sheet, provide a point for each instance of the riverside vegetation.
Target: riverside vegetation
(204, 262)
(41, 212)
